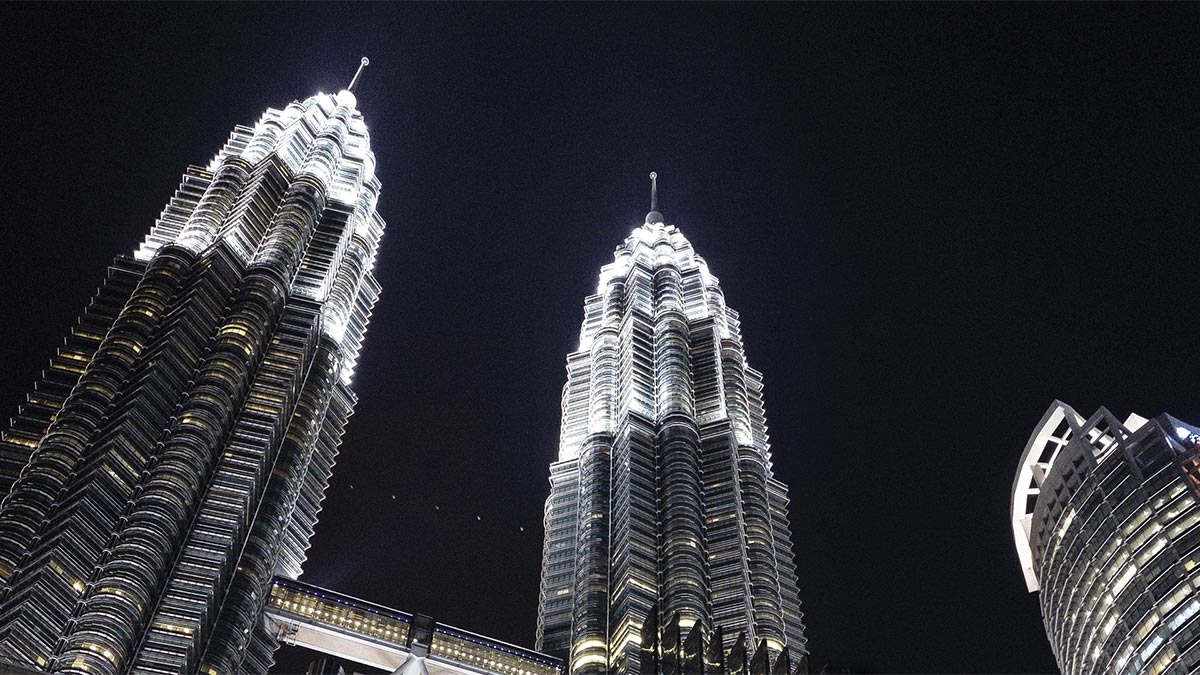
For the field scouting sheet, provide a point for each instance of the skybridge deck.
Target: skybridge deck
(366, 633)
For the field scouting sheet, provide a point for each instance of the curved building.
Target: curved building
(663, 509)
(1107, 527)
(173, 458)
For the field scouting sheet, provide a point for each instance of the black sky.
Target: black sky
(933, 219)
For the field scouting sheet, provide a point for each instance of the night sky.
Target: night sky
(933, 219)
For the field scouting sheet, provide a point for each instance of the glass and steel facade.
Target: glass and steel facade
(173, 458)
(1106, 520)
(662, 501)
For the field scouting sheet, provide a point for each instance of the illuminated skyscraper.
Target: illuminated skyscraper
(173, 458)
(662, 506)
(1106, 519)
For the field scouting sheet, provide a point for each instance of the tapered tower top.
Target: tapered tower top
(654, 216)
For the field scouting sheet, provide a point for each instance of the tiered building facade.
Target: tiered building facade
(173, 458)
(663, 508)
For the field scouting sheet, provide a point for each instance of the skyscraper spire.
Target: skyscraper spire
(654, 216)
(361, 64)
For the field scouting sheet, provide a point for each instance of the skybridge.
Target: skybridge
(339, 625)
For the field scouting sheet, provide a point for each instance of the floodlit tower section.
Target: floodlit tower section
(663, 509)
(1106, 521)
(175, 455)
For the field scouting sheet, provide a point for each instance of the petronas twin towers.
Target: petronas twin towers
(663, 510)
(172, 460)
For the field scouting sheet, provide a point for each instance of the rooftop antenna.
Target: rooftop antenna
(654, 216)
(361, 64)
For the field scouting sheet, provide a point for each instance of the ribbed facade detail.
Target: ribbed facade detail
(173, 458)
(1106, 519)
(663, 506)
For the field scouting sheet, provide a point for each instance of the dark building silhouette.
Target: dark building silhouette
(669, 652)
(325, 666)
